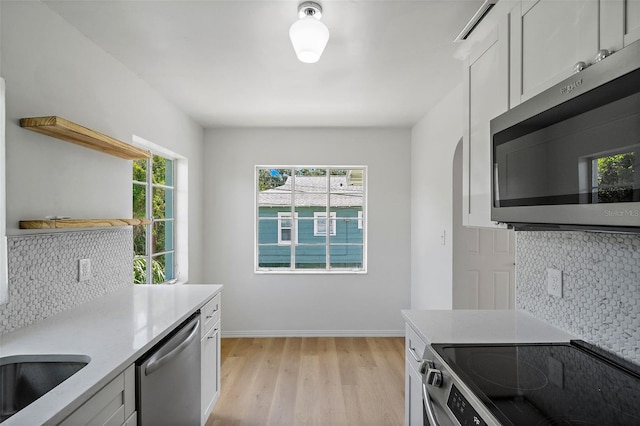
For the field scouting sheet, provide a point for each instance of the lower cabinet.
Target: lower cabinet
(414, 349)
(210, 365)
(114, 404)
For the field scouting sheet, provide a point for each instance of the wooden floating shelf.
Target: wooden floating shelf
(69, 131)
(80, 223)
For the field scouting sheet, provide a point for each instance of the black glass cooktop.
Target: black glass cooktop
(549, 384)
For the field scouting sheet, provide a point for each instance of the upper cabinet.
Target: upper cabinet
(550, 39)
(619, 23)
(486, 82)
(525, 48)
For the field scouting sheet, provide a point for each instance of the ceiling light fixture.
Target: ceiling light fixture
(308, 35)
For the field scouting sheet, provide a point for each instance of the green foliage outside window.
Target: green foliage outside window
(615, 178)
(161, 173)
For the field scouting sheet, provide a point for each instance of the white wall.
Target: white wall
(308, 304)
(433, 144)
(52, 69)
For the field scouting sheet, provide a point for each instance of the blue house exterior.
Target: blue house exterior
(308, 231)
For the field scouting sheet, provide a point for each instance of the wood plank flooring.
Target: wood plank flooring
(328, 381)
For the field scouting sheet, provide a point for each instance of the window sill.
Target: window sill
(307, 272)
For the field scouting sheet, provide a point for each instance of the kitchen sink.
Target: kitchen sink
(25, 378)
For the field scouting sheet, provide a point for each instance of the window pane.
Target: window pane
(139, 201)
(162, 203)
(322, 225)
(140, 240)
(162, 268)
(140, 170)
(274, 256)
(162, 239)
(162, 170)
(272, 178)
(347, 230)
(309, 185)
(267, 230)
(311, 257)
(139, 270)
(346, 256)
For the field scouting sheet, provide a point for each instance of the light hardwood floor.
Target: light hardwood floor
(311, 381)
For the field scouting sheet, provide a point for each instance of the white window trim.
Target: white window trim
(317, 217)
(180, 206)
(360, 219)
(294, 232)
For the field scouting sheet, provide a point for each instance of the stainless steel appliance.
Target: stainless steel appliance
(168, 378)
(528, 384)
(569, 158)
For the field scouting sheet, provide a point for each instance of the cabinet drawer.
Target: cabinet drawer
(210, 314)
(414, 346)
(110, 405)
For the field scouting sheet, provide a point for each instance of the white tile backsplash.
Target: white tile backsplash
(43, 272)
(601, 278)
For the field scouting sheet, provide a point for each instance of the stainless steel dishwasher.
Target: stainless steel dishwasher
(168, 378)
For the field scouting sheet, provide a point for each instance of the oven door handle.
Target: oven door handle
(431, 412)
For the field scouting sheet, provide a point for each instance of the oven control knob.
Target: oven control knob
(427, 364)
(434, 377)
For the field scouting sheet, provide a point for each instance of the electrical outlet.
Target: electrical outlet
(84, 269)
(554, 282)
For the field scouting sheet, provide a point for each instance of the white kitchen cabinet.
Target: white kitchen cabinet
(210, 357)
(486, 82)
(619, 23)
(548, 39)
(414, 349)
(114, 404)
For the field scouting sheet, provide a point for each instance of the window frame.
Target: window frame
(322, 216)
(328, 269)
(282, 216)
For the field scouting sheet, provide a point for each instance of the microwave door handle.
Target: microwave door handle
(431, 412)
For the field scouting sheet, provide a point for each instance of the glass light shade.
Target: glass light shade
(309, 37)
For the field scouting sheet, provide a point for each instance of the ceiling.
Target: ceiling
(231, 64)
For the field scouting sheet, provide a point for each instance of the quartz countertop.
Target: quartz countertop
(482, 326)
(113, 331)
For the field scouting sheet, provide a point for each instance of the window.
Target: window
(154, 199)
(285, 228)
(320, 224)
(310, 219)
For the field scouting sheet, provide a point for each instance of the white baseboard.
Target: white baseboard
(313, 333)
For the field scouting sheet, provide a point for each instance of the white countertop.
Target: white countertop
(482, 326)
(113, 331)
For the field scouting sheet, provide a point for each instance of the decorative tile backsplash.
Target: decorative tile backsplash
(43, 272)
(601, 278)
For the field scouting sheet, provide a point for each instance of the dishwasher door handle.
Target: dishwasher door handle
(165, 355)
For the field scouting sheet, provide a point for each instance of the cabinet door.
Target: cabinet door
(486, 96)
(210, 364)
(548, 38)
(619, 23)
(413, 389)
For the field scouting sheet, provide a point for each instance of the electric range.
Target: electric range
(571, 383)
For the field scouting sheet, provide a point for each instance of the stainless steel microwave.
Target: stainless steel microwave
(569, 158)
